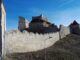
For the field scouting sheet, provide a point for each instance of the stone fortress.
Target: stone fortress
(32, 36)
(38, 24)
(36, 35)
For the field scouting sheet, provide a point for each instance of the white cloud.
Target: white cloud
(65, 2)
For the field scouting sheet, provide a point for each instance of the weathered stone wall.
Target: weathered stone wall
(35, 27)
(64, 31)
(26, 42)
(2, 28)
(23, 23)
(75, 29)
(15, 41)
(42, 27)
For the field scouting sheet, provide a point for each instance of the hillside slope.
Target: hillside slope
(67, 48)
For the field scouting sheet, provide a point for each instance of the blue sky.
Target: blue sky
(57, 11)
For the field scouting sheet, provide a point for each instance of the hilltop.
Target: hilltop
(67, 48)
(43, 40)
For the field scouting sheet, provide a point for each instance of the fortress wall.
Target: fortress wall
(16, 41)
(64, 31)
(27, 42)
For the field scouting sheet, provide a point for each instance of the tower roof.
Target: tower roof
(74, 23)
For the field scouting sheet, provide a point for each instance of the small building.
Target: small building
(23, 23)
(40, 24)
(75, 27)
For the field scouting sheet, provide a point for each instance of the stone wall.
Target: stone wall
(27, 42)
(23, 23)
(75, 29)
(15, 41)
(64, 31)
(2, 28)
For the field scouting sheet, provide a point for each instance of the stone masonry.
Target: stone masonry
(2, 27)
(23, 23)
(75, 27)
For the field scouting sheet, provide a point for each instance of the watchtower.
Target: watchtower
(23, 23)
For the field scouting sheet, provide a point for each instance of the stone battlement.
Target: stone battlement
(16, 41)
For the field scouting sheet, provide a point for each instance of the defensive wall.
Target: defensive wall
(16, 41)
